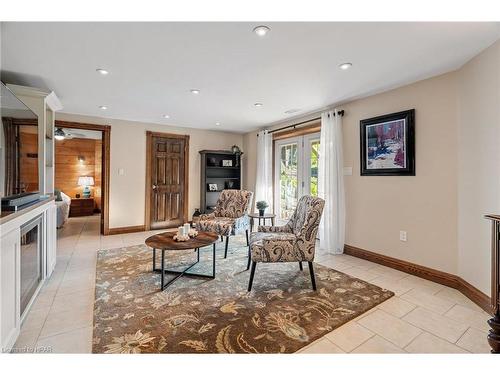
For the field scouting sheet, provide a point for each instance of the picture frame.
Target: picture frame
(227, 163)
(387, 145)
(212, 187)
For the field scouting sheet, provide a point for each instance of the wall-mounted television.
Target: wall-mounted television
(18, 146)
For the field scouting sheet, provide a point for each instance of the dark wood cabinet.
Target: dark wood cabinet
(219, 170)
(81, 207)
(494, 322)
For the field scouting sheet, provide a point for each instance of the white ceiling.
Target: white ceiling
(154, 65)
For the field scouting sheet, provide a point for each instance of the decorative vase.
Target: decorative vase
(237, 152)
(196, 216)
(261, 212)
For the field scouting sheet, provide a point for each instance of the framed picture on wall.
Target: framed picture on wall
(388, 145)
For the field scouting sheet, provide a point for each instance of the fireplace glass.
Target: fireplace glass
(31, 260)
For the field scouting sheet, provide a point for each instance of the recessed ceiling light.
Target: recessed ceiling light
(261, 30)
(258, 104)
(293, 110)
(345, 66)
(103, 107)
(217, 123)
(102, 71)
(166, 116)
(195, 91)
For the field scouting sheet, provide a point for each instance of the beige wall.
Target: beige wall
(377, 208)
(128, 151)
(478, 163)
(457, 172)
(425, 205)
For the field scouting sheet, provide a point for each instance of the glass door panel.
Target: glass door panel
(311, 162)
(296, 172)
(312, 167)
(287, 172)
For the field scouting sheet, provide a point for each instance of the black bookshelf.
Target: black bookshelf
(214, 172)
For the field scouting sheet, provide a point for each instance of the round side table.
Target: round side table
(254, 216)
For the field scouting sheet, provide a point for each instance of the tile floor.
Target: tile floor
(423, 317)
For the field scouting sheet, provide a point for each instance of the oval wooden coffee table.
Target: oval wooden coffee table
(165, 242)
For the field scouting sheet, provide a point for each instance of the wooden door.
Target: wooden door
(167, 178)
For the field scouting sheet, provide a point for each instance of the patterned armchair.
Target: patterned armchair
(230, 216)
(293, 242)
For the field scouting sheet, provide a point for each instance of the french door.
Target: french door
(295, 172)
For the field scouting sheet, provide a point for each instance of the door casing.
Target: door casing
(105, 167)
(149, 148)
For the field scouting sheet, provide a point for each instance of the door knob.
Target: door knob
(154, 187)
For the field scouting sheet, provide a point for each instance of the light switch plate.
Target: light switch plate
(121, 171)
(402, 235)
(347, 171)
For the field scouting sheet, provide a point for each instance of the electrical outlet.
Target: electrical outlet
(402, 235)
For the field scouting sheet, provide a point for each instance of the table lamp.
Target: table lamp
(86, 181)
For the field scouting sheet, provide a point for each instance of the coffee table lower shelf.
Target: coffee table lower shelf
(163, 270)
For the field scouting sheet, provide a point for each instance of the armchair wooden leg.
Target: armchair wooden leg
(252, 273)
(311, 271)
(248, 242)
(300, 266)
(221, 238)
(227, 244)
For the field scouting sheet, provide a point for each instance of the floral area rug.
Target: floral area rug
(281, 314)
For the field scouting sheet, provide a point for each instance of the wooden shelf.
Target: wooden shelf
(216, 173)
(215, 167)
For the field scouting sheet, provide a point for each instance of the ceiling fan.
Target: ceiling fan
(60, 134)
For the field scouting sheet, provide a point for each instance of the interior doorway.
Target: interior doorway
(296, 171)
(167, 173)
(82, 155)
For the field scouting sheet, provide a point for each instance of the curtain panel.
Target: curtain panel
(331, 183)
(264, 178)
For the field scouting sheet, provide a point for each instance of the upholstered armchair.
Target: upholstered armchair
(230, 216)
(293, 242)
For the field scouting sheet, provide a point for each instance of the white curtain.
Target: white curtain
(264, 179)
(331, 184)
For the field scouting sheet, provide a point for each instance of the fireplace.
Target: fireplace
(31, 259)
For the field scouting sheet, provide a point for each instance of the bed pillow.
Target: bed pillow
(65, 198)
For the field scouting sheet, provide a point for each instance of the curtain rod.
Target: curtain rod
(340, 113)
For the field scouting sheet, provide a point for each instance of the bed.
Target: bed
(62, 209)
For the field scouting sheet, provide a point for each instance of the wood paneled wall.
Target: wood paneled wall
(98, 173)
(69, 168)
(28, 165)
